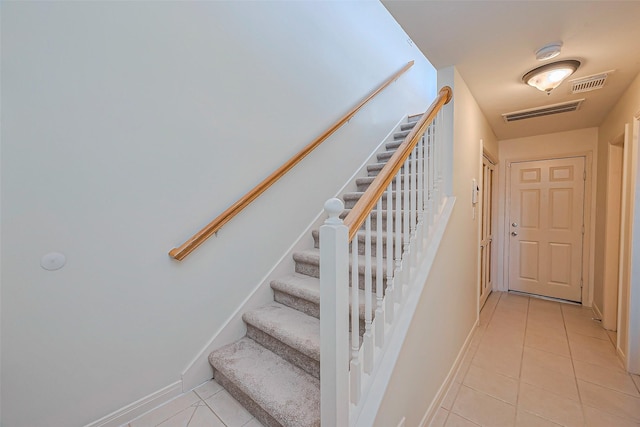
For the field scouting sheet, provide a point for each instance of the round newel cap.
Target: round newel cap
(333, 207)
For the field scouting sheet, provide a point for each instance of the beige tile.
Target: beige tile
(450, 397)
(609, 400)
(547, 361)
(181, 419)
(167, 410)
(587, 328)
(615, 378)
(600, 343)
(636, 380)
(541, 305)
(569, 310)
(464, 365)
(483, 409)
(228, 409)
(204, 417)
(208, 389)
(507, 298)
(546, 318)
(498, 337)
(503, 360)
(549, 330)
(540, 322)
(552, 407)
(551, 343)
(491, 383)
(598, 418)
(549, 380)
(252, 423)
(594, 351)
(455, 420)
(439, 418)
(527, 419)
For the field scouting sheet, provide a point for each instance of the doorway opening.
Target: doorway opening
(486, 230)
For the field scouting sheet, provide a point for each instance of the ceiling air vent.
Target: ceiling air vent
(542, 111)
(589, 83)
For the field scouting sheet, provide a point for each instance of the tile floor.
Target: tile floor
(534, 362)
(531, 362)
(206, 406)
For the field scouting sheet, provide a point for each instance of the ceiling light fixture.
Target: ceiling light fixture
(549, 76)
(548, 51)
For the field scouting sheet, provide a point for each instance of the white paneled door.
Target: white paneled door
(546, 227)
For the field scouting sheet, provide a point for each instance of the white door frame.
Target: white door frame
(633, 325)
(587, 253)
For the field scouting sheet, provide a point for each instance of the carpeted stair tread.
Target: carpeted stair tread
(308, 288)
(295, 329)
(311, 257)
(300, 286)
(284, 391)
(408, 126)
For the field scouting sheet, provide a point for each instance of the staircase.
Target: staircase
(274, 371)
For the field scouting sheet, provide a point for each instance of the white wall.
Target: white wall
(129, 125)
(560, 144)
(622, 116)
(447, 311)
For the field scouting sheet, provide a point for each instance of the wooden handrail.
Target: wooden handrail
(197, 239)
(360, 211)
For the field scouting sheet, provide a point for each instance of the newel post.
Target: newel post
(334, 318)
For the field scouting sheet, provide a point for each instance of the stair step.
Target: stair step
(374, 219)
(401, 135)
(361, 241)
(351, 198)
(375, 168)
(408, 126)
(363, 183)
(308, 262)
(302, 293)
(289, 333)
(299, 286)
(298, 291)
(414, 118)
(273, 390)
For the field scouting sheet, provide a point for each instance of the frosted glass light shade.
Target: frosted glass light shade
(550, 76)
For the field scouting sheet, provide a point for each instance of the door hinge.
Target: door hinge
(583, 229)
(584, 175)
(581, 283)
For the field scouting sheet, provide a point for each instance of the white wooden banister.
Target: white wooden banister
(334, 343)
(409, 191)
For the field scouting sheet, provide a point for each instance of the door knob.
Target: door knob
(513, 233)
(515, 224)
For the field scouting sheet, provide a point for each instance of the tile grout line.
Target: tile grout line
(524, 339)
(573, 367)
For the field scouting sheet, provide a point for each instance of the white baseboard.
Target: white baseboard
(139, 407)
(444, 388)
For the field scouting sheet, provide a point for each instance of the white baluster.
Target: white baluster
(389, 309)
(420, 190)
(356, 378)
(406, 267)
(334, 321)
(367, 339)
(413, 202)
(397, 284)
(379, 319)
